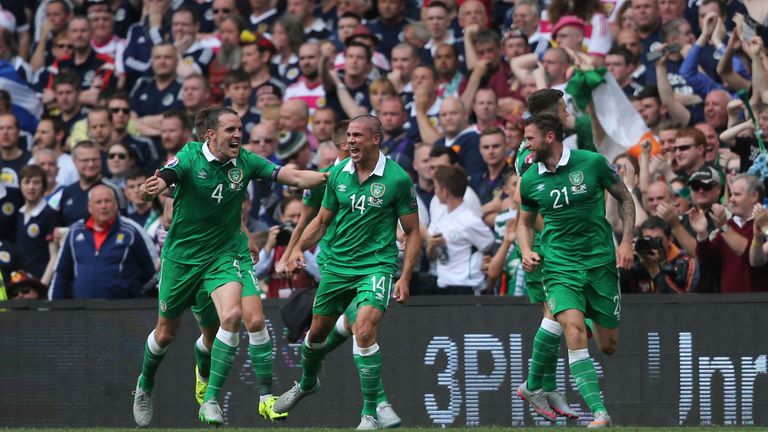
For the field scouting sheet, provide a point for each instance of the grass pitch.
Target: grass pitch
(457, 429)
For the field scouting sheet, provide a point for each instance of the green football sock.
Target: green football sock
(546, 346)
(311, 362)
(222, 355)
(260, 352)
(336, 338)
(369, 368)
(202, 358)
(583, 370)
(153, 355)
(381, 397)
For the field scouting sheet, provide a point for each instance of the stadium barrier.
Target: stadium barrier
(682, 360)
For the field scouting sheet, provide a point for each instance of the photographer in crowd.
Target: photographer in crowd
(277, 240)
(660, 266)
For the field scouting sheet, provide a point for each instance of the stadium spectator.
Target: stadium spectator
(194, 57)
(96, 71)
(424, 112)
(176, 131)
(46, 159)
(308, 87)
(74, 198)
(458, 239)
(485, 109)
(228, 55)
(12, 157)
(660, 266)
(463, 138)
(327, 154)
(351, 83)
(66, 91)
(24, 286)
(151, 96)
(50, 135)
(389, 24)
(263, 141)
(57, 15)
(489, 183)
(100, 129)
(622, 65)
(257, 52)
(120, 160)
(646, 14)
(727, 248)
(288, 36)
(277, 240)
(142, 212)
(294, 117)
(35, 224)
(263, 15)
(689, 150)
(195, 94)
(314, 27)
(450, 77)
(323, 122)
(105, 255)
(393, 118)
(405, 58)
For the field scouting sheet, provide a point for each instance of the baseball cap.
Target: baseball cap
(361, 31)
(7, 20)
(707, 175)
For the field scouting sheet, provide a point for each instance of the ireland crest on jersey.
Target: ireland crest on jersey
(235, 176)
(576, 177)
(377, 190)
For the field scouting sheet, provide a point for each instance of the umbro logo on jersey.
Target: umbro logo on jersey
(80, 237)
(202, 174)
(540, 187)
(342, 188)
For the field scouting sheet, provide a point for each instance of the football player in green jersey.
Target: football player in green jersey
(366, 196)
(202, 253)
(540, 387)
(580, 276)
(313, 199)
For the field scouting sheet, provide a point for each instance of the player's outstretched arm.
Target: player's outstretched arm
(625, 253)
(410, 225)
(152, 187)
(302, 179)
(525, 223)
(307, 215)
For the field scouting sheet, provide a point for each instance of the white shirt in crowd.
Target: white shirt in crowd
(466, 238)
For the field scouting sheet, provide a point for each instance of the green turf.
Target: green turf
(478, 429)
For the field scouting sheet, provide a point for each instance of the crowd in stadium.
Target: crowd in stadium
(104, 92)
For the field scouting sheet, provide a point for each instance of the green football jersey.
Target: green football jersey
(576, 234)
(314, 199)
(208, 200)
(525, 159)
(363, 241)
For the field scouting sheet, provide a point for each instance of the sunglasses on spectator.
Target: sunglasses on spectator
(734, 170)
(697, 186)
(120, 110)
(65, 46)
(121, 156)
(222, 10)
(682, 148)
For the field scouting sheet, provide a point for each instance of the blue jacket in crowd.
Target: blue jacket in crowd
(119, 269)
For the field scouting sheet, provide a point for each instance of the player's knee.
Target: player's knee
(609, 345)
(575, 336)
(254, 322)
(164, 335)
(231, 318)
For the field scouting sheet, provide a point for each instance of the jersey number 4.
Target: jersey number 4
(557, 194)
(217, 193)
